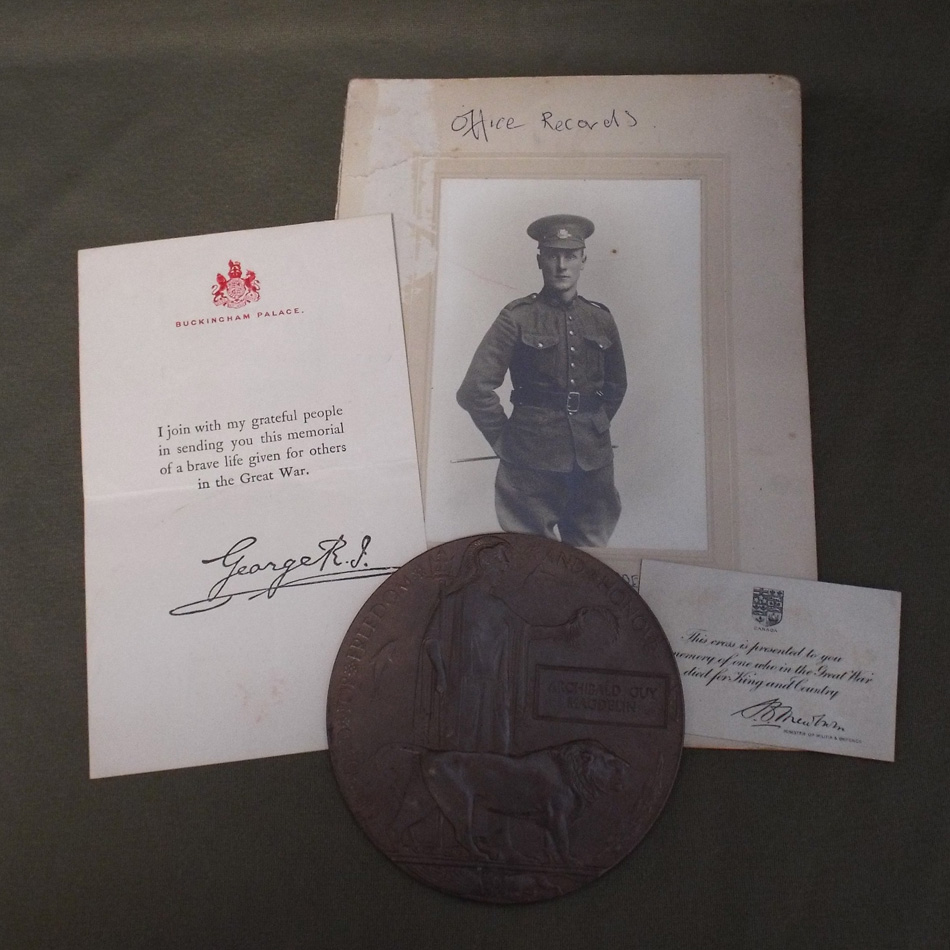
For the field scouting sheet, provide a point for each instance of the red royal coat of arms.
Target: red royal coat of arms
(236, 290)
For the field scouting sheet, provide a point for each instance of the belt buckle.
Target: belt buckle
(573, 402)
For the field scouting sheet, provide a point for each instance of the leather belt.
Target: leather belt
(551, 399)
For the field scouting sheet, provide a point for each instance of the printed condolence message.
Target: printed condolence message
(251, 451)
(247, 483)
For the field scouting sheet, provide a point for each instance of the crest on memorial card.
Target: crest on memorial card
(237, 289)
(767, 604)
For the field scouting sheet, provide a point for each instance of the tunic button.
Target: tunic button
(571, 332)
(572, 382)
(540, 345)
(572, 349)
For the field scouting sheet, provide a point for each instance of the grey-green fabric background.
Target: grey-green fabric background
(129, 122)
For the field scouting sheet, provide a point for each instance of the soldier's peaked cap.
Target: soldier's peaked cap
(561, 230)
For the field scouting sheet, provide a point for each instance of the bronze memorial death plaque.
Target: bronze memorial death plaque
(505, 718)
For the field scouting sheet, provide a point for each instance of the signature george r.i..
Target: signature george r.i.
(330, 564)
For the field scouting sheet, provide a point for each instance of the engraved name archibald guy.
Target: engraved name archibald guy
(584, 695)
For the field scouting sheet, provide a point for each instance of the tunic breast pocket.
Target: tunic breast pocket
(540, 355)
(596, 346)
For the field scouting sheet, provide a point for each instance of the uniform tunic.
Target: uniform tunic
(556, 466)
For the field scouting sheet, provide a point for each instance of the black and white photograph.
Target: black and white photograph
(521, 263)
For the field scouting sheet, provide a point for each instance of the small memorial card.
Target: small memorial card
(780, 662)
(250, 474)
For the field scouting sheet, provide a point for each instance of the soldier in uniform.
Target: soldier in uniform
(555, 475)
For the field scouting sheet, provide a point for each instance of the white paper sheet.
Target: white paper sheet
(780, 662)
(250, 473)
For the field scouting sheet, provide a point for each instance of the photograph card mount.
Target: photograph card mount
(693, 185)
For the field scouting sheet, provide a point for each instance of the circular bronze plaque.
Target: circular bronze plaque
(505, 718)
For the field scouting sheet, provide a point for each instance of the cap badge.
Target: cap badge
(563, 234)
